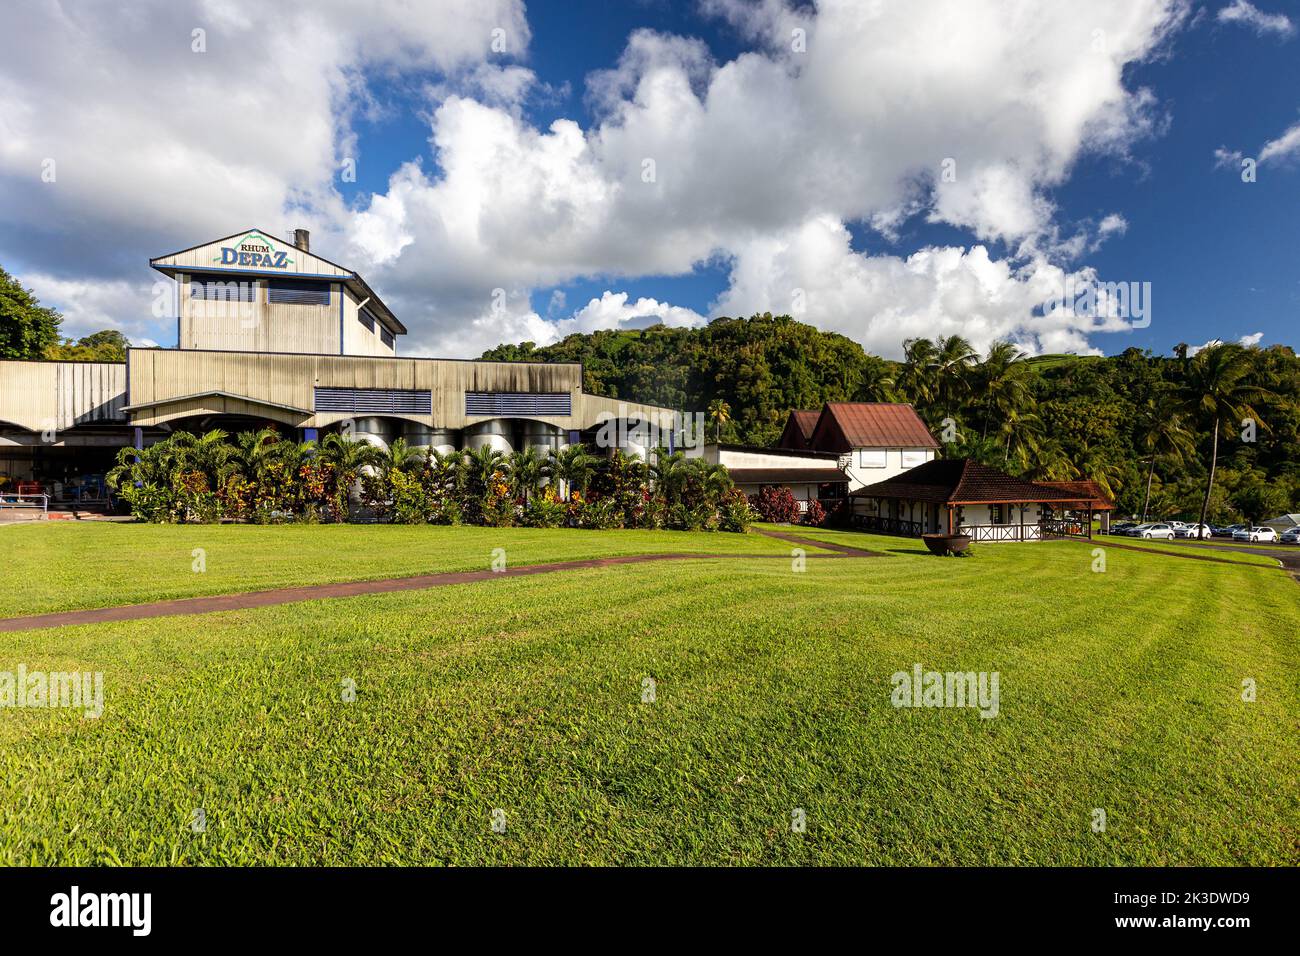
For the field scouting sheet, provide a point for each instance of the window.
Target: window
(832, 490)
(221, 289)
(367, 318)
(913, 458)
(872, 458)
(297, 292)
(386, 337)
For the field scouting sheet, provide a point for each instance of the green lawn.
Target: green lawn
(1224, 553)
(57, 566)
(773, 694)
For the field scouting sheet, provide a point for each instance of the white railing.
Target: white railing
(1002, 532)
(10, 499)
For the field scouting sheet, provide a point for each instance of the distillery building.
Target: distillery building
(270, 333)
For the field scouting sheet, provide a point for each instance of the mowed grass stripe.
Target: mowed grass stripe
(772, 694)
(60, 566)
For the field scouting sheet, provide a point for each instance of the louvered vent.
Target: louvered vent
(379, 401)
(298, 292)
(518, 403)
(221, 289)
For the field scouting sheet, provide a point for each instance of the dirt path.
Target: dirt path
(316, 592)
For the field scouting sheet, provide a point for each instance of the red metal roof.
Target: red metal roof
(799, 426)
(806, 419)
(954, 481)
(846, 425)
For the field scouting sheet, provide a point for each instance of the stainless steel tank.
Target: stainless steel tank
(441, 440)
(543, 438)
(379, 432)
(495, 433)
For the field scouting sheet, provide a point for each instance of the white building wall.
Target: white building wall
(357, 339)
(866, 466)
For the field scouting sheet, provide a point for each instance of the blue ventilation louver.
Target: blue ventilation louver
(223, 289)
(297, 292)
(518, 403)
(374, 401)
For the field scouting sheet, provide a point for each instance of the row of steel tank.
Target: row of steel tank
(504, 434)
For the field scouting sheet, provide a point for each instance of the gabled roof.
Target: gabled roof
(798, 429)
(306, 265)
(957, 481)
(843, 426)
(1088, 491)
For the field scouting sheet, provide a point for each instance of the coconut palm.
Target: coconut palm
(953, 360)
(915, 380)
(1161, 433)
(1003, 382)
(1021, 434)
(1216, 391)
(719, 414)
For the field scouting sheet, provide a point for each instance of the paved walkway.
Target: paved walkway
(1290, 562)
(316, 592)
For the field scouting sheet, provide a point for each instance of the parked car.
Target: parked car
(1255, 534)
(1123, 527)
(1194, 531)
(1231, 529)
(1176, 524)
(1157, 530)
(1290, 536)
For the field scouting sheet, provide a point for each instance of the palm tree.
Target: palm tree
(572, 467)
(670, 472)
(153, 465)
(952, 364)
(1003, 383)
(345, 457)
(719, 414)
(528, 469)
(484, 462)
(400, 456)
(1021, 435)
(1161, 433)
(1215, 390)
(208, 454)
(915, 380)
(255, 451)
(1050, 461)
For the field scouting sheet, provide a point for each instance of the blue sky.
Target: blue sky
(879, 251)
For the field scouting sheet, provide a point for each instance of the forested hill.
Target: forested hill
(1120, 420)
(761, 367)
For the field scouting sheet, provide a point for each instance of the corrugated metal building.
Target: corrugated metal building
(269, 333)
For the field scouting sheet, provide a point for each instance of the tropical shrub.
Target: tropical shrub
(815, 515)
(545, 510)
(265, 479)
(775, 503)
(736, 513)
